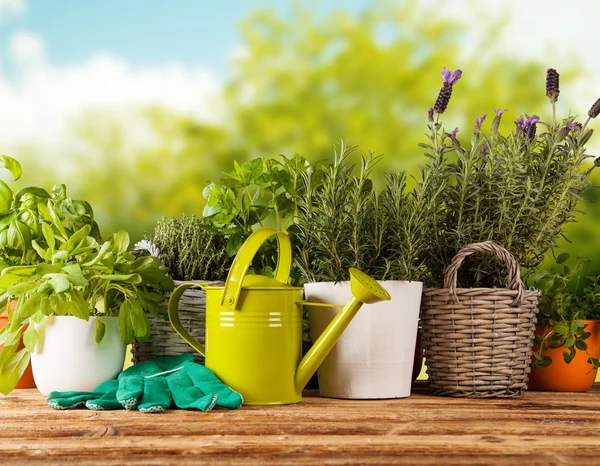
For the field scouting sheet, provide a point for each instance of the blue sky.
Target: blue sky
(144, 32)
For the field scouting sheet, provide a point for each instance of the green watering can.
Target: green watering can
(254, 326)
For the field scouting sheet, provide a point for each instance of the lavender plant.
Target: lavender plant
(518, 189)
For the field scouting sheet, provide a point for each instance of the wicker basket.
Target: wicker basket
(164, 340)
(478, 341)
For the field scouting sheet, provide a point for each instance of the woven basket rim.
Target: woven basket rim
(491, 290)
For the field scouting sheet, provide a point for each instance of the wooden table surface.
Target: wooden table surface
(539, 428)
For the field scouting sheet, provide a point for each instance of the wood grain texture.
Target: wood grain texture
(539, 428)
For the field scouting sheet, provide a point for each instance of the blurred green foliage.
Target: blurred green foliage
(304, 82)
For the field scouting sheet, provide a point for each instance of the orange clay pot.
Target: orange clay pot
(26, 380)
(560, 376)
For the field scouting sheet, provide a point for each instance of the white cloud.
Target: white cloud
(10, 8)
(41, 101)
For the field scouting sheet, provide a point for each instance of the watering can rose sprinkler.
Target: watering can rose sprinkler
(254, 325)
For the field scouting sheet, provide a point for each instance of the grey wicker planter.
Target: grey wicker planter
(163, 340)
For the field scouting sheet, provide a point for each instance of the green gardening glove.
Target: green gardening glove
(153, 386)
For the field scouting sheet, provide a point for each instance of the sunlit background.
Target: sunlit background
(136, 104)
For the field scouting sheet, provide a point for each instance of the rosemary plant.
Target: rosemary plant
(518, 190)
(343, 222)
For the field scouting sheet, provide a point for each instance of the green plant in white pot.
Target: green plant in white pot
(77, 309)
(344, 222)
(21, 213)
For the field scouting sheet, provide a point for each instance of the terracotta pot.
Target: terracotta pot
(26, 380)
(560, 376)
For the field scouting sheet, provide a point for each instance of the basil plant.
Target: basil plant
(71, 272)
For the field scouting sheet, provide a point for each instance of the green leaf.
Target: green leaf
(21, 288)
(43, 253)
(100, 256)
(5, 198)
(234, 243)
(12, 165)
(76, 239)
(12, 366)
(569, 355)
(60, 256)
(132, 278)
(545, 361)
(252, 170)
(59, 192)
(126, 332)
(30, 338)
(18, 236)
(139, 321)
(121, 242)
(569, 341)
(581, 345)
(100, 330)
(59, 282)
(31, 305)
(562, 258)
(561, 328)
(8, 280)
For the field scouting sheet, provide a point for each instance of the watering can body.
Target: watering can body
(253, 338)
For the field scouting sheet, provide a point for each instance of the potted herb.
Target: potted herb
(516, 190)
(567, 338)
(191, 251)
(80, 290)
(343, 222)
(20, 224)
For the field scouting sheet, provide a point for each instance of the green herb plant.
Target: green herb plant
(22, 212)
(344, 221)
(189, 250)
(76, 275)
(563, 305)
(262, 191)
(518, 189)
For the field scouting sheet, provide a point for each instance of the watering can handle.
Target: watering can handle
(173, 310)
(243, 260)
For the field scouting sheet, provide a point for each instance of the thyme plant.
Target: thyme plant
(189, 250)
(518, 189)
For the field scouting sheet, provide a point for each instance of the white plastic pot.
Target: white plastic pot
(374, 356)
(67, 357)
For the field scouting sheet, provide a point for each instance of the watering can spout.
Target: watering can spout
(365, 290)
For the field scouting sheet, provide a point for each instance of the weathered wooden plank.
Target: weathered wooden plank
(540, 428)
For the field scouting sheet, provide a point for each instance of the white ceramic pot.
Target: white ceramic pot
(374, 357)
(67, 357)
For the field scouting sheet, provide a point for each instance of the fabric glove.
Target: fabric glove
(153, 386)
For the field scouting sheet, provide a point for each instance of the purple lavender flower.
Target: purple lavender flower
(528, 125)
(519, 122)
(552, 89)
(480, 120)
(430, 115)
(484, 149)
(566, 130)
(450, 77)
(499, 112)
(453, 134)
